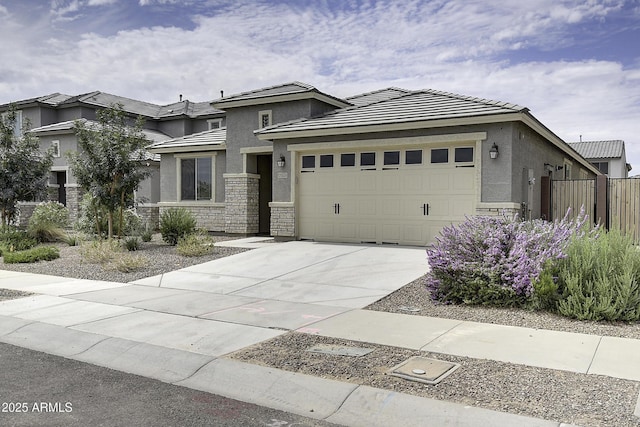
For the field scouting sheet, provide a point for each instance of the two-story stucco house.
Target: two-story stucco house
(608, 156)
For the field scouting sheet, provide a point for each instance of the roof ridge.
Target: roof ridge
(359, 95)
(295, 82)
(486, 101)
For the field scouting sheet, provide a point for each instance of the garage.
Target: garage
(393, 194)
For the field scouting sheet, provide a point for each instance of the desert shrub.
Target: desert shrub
(100, 251)
(127, 262)
(50, 213)
(600, 278)
(71, 239)
(12, 239)
(176, 223)
(146, 236)
(40, 253)
(495, 260)
(132, 243)
(46, 232)
(89, 209)
(194, 245)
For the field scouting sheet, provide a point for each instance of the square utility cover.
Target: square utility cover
(424, 370)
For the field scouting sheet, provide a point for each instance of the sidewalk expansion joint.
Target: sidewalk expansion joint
(357, 386)
(594, 355)
(441, 335)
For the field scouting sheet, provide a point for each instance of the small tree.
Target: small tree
(23, 167)
(110, 161)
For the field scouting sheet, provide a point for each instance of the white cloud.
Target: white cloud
(463, 46)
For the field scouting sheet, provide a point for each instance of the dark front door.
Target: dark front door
(61, 179)
(264, 168)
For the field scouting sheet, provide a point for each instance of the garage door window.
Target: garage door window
(440, 155)
(413, 157)
(326, 161)
(367, 159)
(308, 162)
(391, 157)
(464, 155)
(348, 159)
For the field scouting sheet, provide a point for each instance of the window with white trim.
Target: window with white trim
(196, 178)
(264, 118)
(55, 148)
(214, 123)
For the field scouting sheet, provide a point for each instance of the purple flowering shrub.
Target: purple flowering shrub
(495, 260)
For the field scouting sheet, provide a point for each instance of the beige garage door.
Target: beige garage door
(402, 196)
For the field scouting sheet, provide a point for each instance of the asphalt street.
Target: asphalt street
(38, 389)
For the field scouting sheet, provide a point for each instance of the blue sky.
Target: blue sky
(574, 63)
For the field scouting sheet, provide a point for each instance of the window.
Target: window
(391, 157)
(326, 161)
(214, 123)
(567, 169)
(264, 118)
(196, 181)
(413, 157)
(464, 154)
(602, 166)
(55, 148)
(367, 159)
(348, 159)
(308, 162)
(440, 155)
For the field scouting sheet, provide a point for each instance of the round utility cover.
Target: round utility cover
(419, 371)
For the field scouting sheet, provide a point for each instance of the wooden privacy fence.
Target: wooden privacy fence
(612, 202)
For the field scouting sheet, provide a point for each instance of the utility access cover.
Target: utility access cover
(339, 350)
(424, 370)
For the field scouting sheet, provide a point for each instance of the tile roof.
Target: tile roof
(201, 139)
(281, 89)
(376, 95)
(413, 106)
(599, 149)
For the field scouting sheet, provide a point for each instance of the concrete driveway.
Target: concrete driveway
(219, 306)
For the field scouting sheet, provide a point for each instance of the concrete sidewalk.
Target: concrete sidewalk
(177, 328)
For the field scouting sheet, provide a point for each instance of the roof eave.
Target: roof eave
(187, 148)
(388, 127)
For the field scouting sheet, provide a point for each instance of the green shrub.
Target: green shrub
(600, 279)
(71, 239)
(46, 232)
(41, 253)
(176, 223)
(132, 223)
(50, 213)
(146, 236)
(13, 239)
(132, 243)
(194, 245)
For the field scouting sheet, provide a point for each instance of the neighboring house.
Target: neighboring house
(51, 119)
(390, 166)
(608, 156)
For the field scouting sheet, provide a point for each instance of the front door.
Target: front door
(264, 169)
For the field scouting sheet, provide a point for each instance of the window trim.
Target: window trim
(262, 114)
(473, 154)
(418, 150)
(55, 145)
(210, 123)
(179, 158)
(438, 149)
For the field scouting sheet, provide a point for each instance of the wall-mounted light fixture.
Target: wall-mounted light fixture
(493, 152)
(281, 162)
(559, 168)
(549, 167)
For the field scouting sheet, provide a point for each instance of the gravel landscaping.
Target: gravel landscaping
(588, 400)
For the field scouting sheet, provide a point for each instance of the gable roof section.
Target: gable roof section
(410, 110)
(376, 96)
(612, 149)
(279, 93)
(208, 140)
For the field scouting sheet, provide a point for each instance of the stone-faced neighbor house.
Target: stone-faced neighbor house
(390, 166)
(52, 117)
(608, 156)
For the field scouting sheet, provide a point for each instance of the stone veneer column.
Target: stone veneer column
(283, 219)
(242, 215)
(74, 197)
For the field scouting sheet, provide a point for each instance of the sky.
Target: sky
(574, 63)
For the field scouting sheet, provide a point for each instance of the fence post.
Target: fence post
(602, 207)
(545, 198)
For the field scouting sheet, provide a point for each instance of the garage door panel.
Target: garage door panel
(408, 205)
